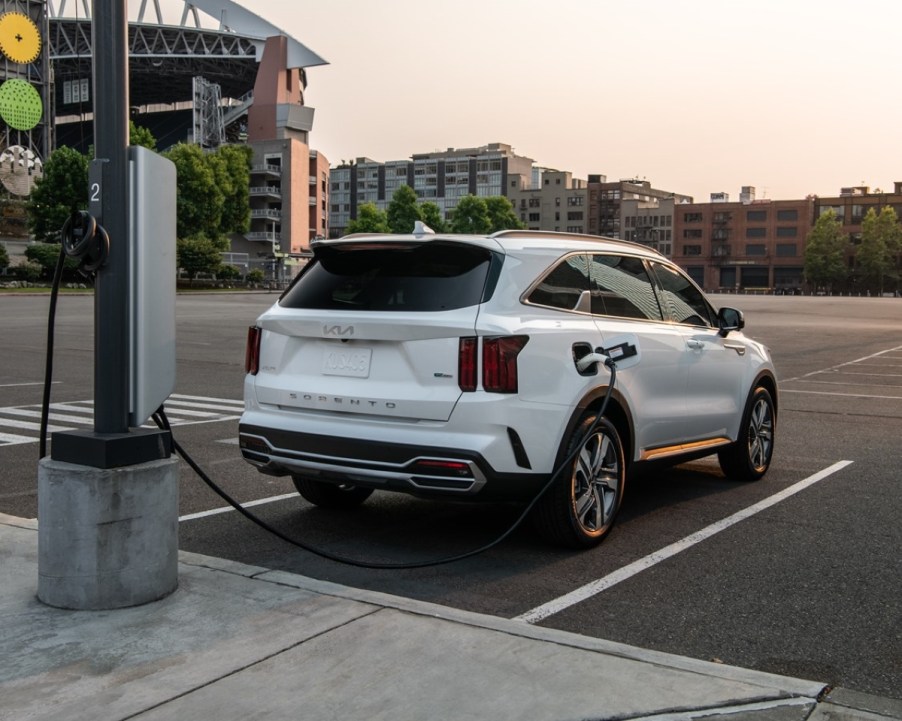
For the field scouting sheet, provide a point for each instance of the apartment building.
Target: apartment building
(553, 200)
(605, 210)
(853, 203)
(649, 222)
(441, 177)
(750, 244)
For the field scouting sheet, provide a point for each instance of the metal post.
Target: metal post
(111, 316)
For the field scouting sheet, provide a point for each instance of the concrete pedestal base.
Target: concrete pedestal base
(107, 537)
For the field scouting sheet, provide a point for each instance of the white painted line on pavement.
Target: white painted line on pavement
(20, 385)
(180, 396)
(843, 365)
(595, 587)
(226, 509)
(10, 439)
(847, 395)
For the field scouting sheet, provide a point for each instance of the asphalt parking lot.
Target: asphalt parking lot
(798, 574)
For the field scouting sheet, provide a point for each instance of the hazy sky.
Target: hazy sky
(696, 96)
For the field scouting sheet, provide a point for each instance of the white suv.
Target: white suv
(475, 366)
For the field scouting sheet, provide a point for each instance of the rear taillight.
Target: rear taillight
(499, 362)
(466, 363)
(252, 350)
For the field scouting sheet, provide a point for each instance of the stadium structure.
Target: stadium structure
(205, 71)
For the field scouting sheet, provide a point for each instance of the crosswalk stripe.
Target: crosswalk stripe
(10, 439)
(180, 410)
(25, 413)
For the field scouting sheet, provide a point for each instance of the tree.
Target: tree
(825, 249)
(880, 241)
(471, 216)
(4, 257)
(501, 214)
(431, 215)
(138, 135)
(402, 211)
(62, 190)
(232, 168)
(197, 254)
(369, 220)
(199, 201)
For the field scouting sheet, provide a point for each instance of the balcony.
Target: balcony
(267, 169)
(266, 191)
(264, 236)
(266, 213)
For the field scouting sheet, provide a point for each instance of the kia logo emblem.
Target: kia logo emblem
(338, 330)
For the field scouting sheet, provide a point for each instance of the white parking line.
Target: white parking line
(847, 395)
(595, 587)
(226, 509)
(843, 365)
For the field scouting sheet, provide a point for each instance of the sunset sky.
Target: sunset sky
(697, 96)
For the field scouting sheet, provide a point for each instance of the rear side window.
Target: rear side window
(563, 286)
(431, 276)
(621, 288)
(684, 301)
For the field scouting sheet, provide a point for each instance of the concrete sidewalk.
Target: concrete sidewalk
(241, 642)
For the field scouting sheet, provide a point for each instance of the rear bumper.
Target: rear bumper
(421, 470)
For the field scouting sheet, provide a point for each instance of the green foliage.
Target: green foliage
(471, 216)
(431, 215)
(825, 249)
(228, 272)
(880, 244)
(28, 270)
(197, 254)
(4, 257)
(501, 214)
(138, 135)
(402, 211)
(213, 197)
(199, 201)
(232, 167)
(369, 220)
(255, 276)
(62, 189)
(46, 256)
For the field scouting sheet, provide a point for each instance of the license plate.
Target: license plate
(355, 363)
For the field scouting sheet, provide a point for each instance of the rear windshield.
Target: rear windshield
(430, 276)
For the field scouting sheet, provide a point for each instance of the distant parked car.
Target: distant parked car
(472, 367)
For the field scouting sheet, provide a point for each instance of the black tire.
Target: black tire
(330, 495)
(749, 457)
(579, 508)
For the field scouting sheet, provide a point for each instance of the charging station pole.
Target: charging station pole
(108, 499)
(108, 202)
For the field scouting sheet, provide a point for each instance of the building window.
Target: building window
(788, 215)
(575, 215)
(722, 217)
(534, 202)
(692, 217)
(756, 216)
(575, 200)
(790, 231)
(756, 249)
(574, 229)
(692, 234)
(535, 217)
(756, 232)
(692, 250)
(786, 250)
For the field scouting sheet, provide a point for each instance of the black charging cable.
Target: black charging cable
(85, 240)
(48, 358)
(162, 422)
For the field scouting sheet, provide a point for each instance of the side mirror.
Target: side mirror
(729, 319)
